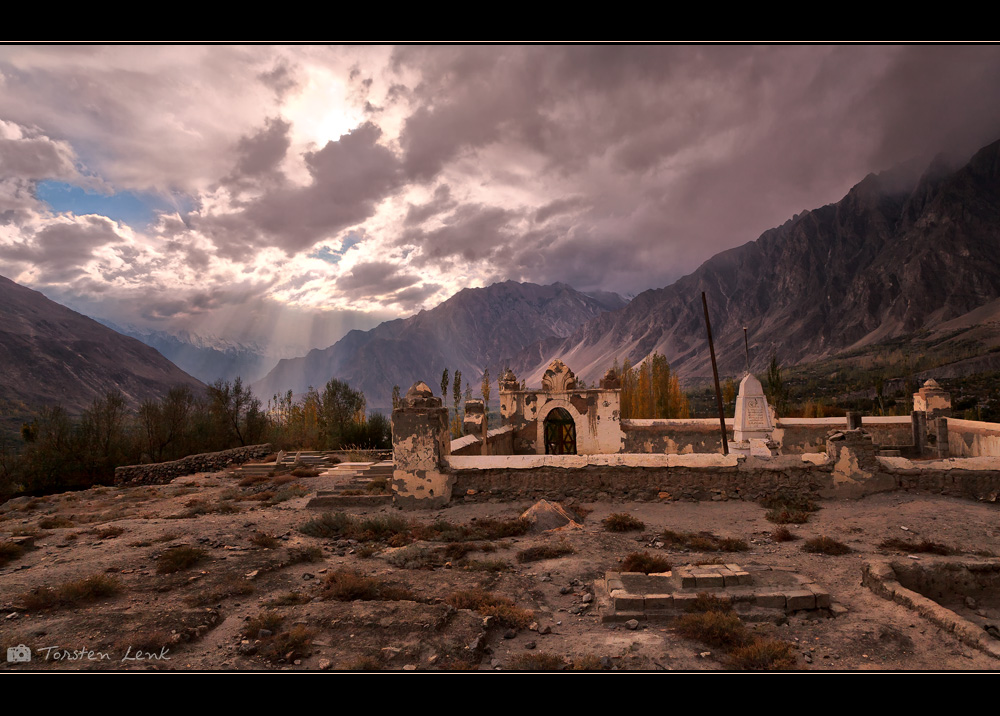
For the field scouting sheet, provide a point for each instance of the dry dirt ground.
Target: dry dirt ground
(262, 594)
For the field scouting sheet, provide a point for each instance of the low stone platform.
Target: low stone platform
(762, 590)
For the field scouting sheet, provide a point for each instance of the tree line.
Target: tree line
(56, 451)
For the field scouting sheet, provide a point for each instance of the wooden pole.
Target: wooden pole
(715, 374)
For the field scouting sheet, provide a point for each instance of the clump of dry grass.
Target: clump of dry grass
(786, 508)
(546, 551)
(288, 600)
(231, 585)
(922, 547)
(537, 661)
(488, 604)
(644, 562)
(706, 602)
(265, 540)
(56, 522)
(763, 655)
(178, 558)
(268, 621)
(703, 541)
(298, 555)
(109, 532)
(251, 480)
(305, 472)
(623, 522)
(364, 663)
(722, 630)
(9, 551)
(72, 593)
(348, 586)
(825, 545)
(486, 565)
(783, 534)
(590, 662)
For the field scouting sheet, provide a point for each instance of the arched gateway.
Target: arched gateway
(560, 433)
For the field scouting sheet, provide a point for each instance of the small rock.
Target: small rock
(705, 654)
(565, 590)
(970, 602)
(533, 626)
(409, 667)
(545, 629)
(308, 576)
(530, 645)
(264, 633)
(606, 662)
(588, 598)
(509, 634)
(632, 624)
(325, 664)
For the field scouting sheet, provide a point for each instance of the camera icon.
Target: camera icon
(18, 654)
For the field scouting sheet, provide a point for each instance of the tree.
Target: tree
(486, 408)
(396, 399)
(456, 394)
(777, 391)
(342, 406)
(237, 411)
(651, 390)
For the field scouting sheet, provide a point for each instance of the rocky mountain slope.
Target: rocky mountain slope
(902, 252)
(52, 355)
(475, 328)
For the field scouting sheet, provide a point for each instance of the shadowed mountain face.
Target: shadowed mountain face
(475, 328)
(52, 355)
(902, 252)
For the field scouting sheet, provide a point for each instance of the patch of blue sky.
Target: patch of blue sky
(333, 256)
(137, 209)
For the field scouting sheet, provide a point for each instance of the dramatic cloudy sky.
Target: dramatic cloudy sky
(292, 193)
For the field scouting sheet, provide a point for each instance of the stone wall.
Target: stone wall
(973, 438)
(715, 477)
(795, 436)
(163, 472)
(499, 441)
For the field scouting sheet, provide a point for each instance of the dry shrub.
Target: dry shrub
(703, 541)
(825, 545)
(536, 554)
(109, 532)
(590, 662)
(783, 534)
(786, 516)
(763, 655)
(9, 551)
(265, 540)
(349, 586)
(305, 472)
(178, 558)
(706, 602)
(151, 641)
(364, 663)
(288, 600)
(486, 565)
(269, 620)
(488, 604)
(644, 562)
(299, 555)
(922, 547)
(250, 480)
(329, 525)
(623, 522)
(56, 522)
(537, 661)
(72, 593)
(722, 630)
(287, 645)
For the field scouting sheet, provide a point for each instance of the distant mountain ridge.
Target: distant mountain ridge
(52, 355)
(207, 359)
(900, 252)
(474, 329)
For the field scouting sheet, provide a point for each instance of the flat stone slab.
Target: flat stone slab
(634, 595)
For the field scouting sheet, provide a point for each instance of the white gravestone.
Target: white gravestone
(752, 426)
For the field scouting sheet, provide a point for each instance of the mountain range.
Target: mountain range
(474, 329)
(52, 355)
(902, 252)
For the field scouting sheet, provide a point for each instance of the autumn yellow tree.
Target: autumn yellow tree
(651, 390)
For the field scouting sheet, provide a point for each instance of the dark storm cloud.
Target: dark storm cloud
(261, 152)
(410, 299)
(441, 202)
(61, 250)
(376, 277)
(349, 178)
(38, 158)
(472, 232)
(281, 78)
(685, 151)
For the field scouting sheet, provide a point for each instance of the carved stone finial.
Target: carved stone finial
(558, 378)
(420, 396)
